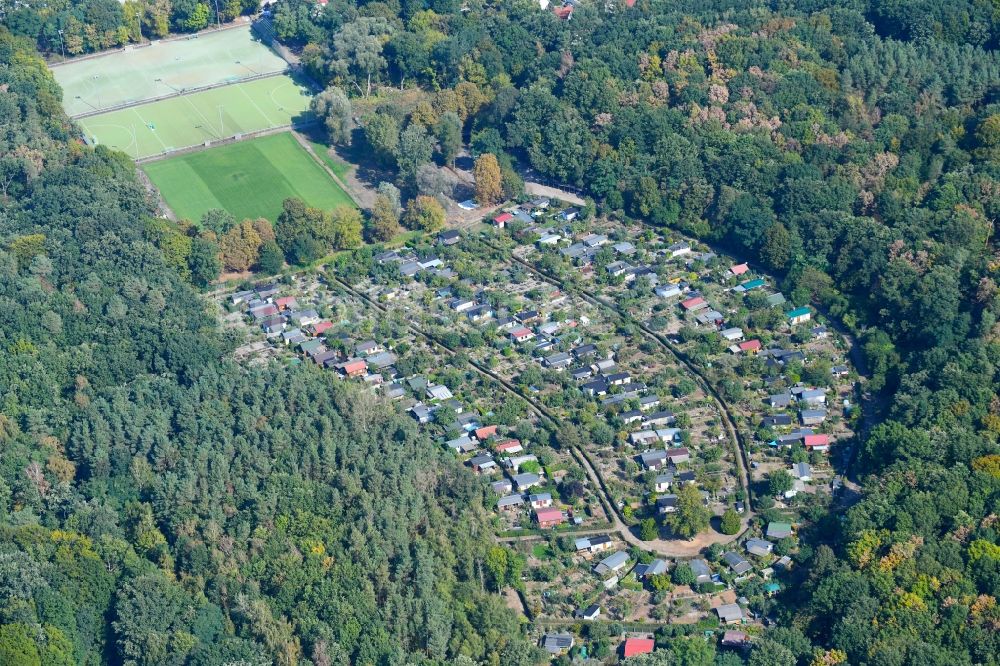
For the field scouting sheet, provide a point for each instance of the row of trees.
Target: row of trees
(300, 236)
(75, 27)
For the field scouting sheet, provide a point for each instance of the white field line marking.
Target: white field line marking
(259, 110)
(147, 127)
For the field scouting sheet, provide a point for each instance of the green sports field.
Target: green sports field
(191, 120)
(249, 179)
(162, 68)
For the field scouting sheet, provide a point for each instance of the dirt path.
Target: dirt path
(361, 196)
(627, 626)
(514, 602)
(543, 537)
(872, 406)
(742, 461)
(734, 435)
(539, 190)
(358, 189)
(667, 548)
(467, 218)
(458, 216)
(530, 187)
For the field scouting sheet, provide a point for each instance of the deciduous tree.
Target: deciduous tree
(769, 653)
(203, 261)
(730, 522)
(218, 221)
(383, 219)
(683, 575)
(692, 515)
(346, 227)
(382, 134)
(425, 213)
(334, 109)
(489, 183)
(779, 482)
(449, 136)
(357, 51)
(434, 182)
(416, 147)
(271, 258)
(776, 250)
(240, 246)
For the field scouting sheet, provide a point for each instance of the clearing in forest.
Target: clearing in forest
(249, 179)
(138, 74)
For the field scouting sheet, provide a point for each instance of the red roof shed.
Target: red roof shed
(485, 431)
(634, 646)
(549, 517)
(355, 367)
(816, 441)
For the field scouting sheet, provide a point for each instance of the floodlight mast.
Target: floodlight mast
(172, 87)
(87, 103)
(252, 70)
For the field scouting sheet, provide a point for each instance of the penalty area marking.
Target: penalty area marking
(275, 89)
(128, 132)
(146, 124)
(259, 110)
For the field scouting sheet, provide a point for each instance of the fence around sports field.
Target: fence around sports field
(134, 75)
(210, 116)
(57, 60)
(126, 105)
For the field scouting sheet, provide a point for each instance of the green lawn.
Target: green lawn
(210, 115)
(336, 166)
(249, 179)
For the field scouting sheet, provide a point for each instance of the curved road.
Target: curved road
(723, 408)
(667, 548)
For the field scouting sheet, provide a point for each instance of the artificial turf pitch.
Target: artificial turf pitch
(136, 74)
(191, 120)
(249, 179)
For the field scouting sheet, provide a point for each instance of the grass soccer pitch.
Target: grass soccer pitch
(163, 68)
(191, 120)
(249, 179)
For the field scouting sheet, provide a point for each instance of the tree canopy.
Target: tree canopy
(162, 504)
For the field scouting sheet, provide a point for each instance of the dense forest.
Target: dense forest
(853, 148)
(160, 504)
(74, 27)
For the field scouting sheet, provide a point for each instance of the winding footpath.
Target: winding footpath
(734, 437)
(664, 547)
